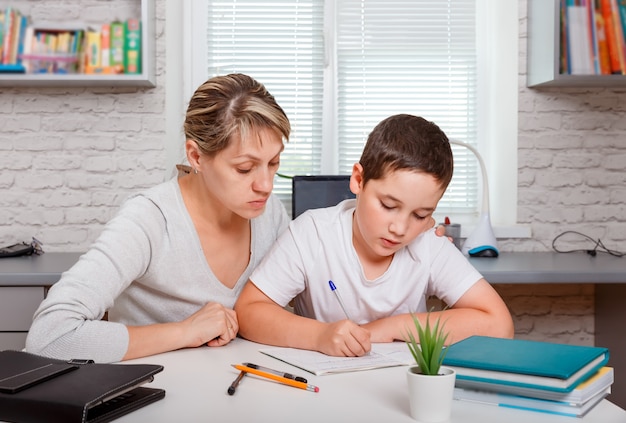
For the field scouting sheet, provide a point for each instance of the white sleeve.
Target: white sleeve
(281, 275)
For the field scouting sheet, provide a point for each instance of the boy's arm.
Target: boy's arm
(262, 320)
(480, 311)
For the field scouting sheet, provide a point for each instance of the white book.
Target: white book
(531, 404)
(579, 41)
(599, 382)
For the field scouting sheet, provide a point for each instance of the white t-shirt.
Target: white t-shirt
(317, 248)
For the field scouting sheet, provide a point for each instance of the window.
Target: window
(338, 67)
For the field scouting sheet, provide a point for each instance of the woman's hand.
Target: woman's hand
(214, 325)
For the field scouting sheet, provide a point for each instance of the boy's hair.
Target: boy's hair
(228, 106)
(407, 142)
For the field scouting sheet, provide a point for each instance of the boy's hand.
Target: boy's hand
(344, 339)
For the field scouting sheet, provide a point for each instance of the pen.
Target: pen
(275, 372)
(233, 386)
(277, 378)
(334, 289)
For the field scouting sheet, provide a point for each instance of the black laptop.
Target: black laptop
(316, 191)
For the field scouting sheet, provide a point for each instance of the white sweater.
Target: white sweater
(146, 267)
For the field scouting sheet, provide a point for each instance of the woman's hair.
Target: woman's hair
(231, 105)
(407, 142)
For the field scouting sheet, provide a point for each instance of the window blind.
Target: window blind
(379, 57)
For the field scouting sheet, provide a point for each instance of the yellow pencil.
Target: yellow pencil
(277, 378)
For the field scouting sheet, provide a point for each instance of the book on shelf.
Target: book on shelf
(604, 60)
(132, 46)
(105, 45)
(601, 381)
(527, 403)
(13, 27)
(517, 362)
(592, 37)
(579, 41)
(113, 47)
(118, 39)
(611, 21)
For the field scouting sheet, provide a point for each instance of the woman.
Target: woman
(169, 266)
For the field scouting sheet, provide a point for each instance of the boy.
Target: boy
(380, 253)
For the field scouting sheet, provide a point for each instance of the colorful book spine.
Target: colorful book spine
(132, 47)
(9, 24)
(611, 36)
(619, 35)
(21, 39)
(117, 46)
(105, 44)
(93, 48)
(603, 48)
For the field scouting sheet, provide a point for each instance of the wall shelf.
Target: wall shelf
(543, 52)
(145, 79)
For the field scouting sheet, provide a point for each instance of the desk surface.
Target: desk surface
(518, 267)
(196, 380)
(34, 270)
(552, 267)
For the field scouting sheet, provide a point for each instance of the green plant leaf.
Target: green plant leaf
(428, 349)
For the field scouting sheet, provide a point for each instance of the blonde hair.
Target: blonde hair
(230, 105)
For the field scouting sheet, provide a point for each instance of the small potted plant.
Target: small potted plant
(431, 386)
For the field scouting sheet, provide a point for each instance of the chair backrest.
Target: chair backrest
(316, 191)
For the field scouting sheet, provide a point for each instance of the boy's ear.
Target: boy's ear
(356, 180)
(193, 153)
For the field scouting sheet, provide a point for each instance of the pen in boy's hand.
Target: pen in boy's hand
(233, 386)
(334, 289)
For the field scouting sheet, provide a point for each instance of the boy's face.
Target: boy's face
(392, 211)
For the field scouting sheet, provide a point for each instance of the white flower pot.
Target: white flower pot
(430, 397)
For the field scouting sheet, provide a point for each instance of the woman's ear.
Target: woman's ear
(193, 153)
(356, 180)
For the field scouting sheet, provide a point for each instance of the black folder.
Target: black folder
(34, 388)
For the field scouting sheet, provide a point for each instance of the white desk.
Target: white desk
(196, 381)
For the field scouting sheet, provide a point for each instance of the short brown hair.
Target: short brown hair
(407, 142)
(229, 105)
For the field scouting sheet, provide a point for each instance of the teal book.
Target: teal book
(524, 363)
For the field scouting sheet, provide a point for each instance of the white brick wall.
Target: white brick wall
(69, 156)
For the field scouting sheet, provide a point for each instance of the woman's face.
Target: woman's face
(241, 177)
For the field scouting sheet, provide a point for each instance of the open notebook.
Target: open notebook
(382, 355)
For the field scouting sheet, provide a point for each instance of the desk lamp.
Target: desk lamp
(481, 242)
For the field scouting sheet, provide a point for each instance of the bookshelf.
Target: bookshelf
(146, 78)
(543, 52)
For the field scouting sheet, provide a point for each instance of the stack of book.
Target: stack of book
(110, 48)
(532, 375)
(592, 39)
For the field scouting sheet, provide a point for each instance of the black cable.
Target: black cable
(597, 247)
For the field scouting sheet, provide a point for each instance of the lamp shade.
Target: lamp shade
(482, 241)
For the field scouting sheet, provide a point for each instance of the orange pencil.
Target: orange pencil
(277, 378)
